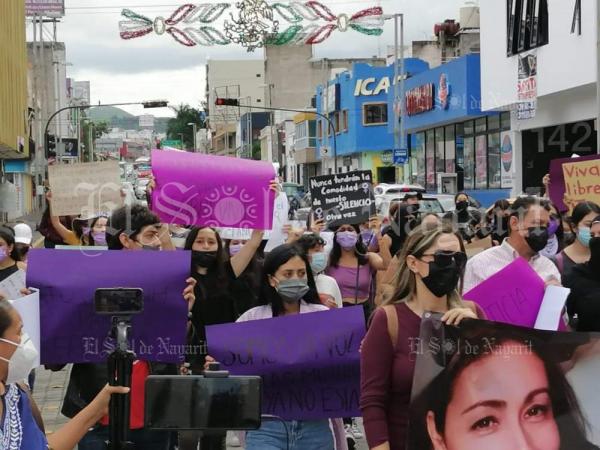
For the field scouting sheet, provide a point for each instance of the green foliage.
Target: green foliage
(178, 125)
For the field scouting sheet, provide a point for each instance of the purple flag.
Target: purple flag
(310, 363)
(514, 295)
(71, 331)
(557, 179)
(195, 189)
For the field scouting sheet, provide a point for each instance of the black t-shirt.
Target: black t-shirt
(584, 299)
(5, 273)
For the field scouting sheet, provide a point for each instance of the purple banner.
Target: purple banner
(307, 375)
(217, 191)
(513, 295)
(71, 331)
(557, 179)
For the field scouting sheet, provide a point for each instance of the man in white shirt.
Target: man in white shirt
(528, 235)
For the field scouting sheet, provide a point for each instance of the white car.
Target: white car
(397, 189)
(140, 187)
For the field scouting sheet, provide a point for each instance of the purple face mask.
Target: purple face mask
(234, 249)
(553, 227)
(99, 238)
(346, 239)
(368, 236)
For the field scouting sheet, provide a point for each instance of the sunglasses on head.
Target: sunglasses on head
(445, 258)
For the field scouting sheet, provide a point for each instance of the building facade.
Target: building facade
(557, 44)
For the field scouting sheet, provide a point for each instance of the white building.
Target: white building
(565, 61)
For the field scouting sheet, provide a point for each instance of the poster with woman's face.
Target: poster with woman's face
(492, 386)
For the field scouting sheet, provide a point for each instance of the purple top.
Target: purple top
(346, 279)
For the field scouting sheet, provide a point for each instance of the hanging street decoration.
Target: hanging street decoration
(254, 25)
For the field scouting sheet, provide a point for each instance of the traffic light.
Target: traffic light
(50, 141)
(156, 104)
(227, 102)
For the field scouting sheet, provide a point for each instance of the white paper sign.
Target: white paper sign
(552, 307)
(85, 189)
(11, 286)
(281, 210)
(29, 309)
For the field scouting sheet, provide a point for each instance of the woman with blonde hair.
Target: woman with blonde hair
(431, 265)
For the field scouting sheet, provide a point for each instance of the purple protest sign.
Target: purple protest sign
(195, 189)
(514, 295)
(557, 187)
(71, 331)
(307, 375)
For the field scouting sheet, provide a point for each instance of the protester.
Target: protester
(9, 257)
(512, 395)
(22, 426)
(370, 233)
(528, 235)
(404, 217)
(51, 237)
(244, 289)
(132, 228)
(578, 252)
(431, 264)
(466, 221)
(327, 287)
(499, 221)
(353, 267)
(555, 234)
(583, 279)
(23, 238)
(288, 288)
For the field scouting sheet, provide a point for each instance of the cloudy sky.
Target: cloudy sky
(157, 67)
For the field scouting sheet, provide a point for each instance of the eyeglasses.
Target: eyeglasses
(445, 259)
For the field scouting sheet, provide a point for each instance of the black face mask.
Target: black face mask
(206, 260)
(462, 206)
(442, 280)
(537, 238)
(594, 263)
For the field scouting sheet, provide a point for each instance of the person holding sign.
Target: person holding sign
(22, 426)
(288, 288)
(584, 281)
(528, 235)
(431, 265)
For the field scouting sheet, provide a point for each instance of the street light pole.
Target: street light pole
(193, 125)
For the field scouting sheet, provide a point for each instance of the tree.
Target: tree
(97, 128)
(178, 125)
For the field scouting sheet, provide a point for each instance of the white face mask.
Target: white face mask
(22, 360)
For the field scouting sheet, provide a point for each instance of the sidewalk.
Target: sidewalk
(32, 220)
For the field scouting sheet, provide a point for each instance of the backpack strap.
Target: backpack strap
(392, 323)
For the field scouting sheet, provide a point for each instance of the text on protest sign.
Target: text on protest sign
(343, 198)
(85, 189)
(316, 377)
(215, 191)
(582, 181)
(558, 184)
(71, 331)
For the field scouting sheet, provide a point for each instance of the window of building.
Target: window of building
(440, 164)
(375, 114)
(450, 149)
(469, 162)
(527, 25)
(320, 129)
(418, 152)
(494, 174)
(336, 121)
(345, 120)
(430, 159)
(481, 162)
(505, 121)
(494, 123)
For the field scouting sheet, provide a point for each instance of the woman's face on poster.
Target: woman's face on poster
(500, 402)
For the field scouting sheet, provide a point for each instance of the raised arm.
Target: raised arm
(67, 235)
(240, 261)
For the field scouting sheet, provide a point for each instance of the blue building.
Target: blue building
(357, 103)
(447, 133)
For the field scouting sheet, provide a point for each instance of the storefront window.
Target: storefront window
(469, 128)
(430, 158)
(450, 150)
(494, 122)
(418, 153)
(469, 162)
(481, 125)
(494, 160)
(481, 162)
(440, 165)
(505, 121)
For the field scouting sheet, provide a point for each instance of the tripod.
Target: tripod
(120, 367)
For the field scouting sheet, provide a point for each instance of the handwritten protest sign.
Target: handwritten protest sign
(85, 189)
(313, 377)
(208, 190)
(280, 218)
(582, 181)
(558, 183)
(343, 198)
(10, 287)
(514, 295)
(29, 309)
(71, 330)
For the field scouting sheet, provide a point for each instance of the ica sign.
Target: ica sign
(370, 86)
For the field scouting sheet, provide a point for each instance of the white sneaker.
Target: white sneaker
(232, 439)
(355, 430)
(349, 437)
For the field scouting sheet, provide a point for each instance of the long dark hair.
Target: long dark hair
(360, 250)
(273, 261)
(218, 269)
(438, 394)
(580, 211)
(8, 235)
(5, 319)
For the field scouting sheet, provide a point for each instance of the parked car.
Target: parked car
(140, 187)
(429, 204)
(397, 189)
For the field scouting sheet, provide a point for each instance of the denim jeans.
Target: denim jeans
(143, 439)
(303, 435)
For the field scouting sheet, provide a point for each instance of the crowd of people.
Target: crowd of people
(397, 268)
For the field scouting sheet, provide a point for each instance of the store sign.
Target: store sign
(444, 92)
(507, 158)
(527, 87)
(387, 157)
(420, 99)
(47, 8)
(371, 86)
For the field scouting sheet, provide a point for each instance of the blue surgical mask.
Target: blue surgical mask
(318, 262)
(292, 291)
(584, 235)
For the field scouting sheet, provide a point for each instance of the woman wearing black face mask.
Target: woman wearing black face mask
(499, 222)
(431, 267)
(584, 280)
(466, 221)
